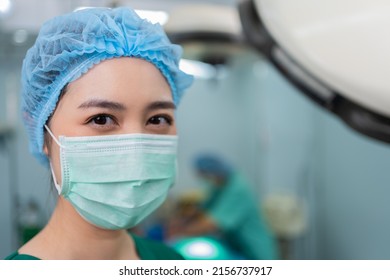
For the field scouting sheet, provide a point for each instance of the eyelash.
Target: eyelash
(91, 119)
(167, 118)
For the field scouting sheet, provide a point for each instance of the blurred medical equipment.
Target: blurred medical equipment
(286, 214)
(336, 52)
(203, 248)
(210, 34)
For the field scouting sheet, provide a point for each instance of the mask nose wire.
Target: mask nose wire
(54, 138)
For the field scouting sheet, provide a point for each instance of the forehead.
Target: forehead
(123, 79)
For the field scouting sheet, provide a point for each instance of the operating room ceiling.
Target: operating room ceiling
(30, 14)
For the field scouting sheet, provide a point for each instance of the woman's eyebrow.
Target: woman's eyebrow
(160, 105)
(100, 103)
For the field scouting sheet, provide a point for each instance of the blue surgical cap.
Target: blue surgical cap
(68, 46)
(212, 164)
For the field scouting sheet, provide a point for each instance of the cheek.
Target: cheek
(173, 129)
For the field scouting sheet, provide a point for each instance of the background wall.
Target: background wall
(20, 175)
(353, 194)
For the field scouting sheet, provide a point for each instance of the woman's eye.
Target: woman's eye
(102, 120)
(160, 120)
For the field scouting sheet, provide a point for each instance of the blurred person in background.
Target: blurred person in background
(230, 212)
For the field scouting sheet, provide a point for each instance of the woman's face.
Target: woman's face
(117, 96)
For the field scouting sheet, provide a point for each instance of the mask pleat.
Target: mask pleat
(115, 181)
(106, 217)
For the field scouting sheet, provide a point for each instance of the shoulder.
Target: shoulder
(238, 185)
(16, 256)
(154, 250)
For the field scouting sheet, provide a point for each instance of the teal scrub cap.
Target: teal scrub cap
(212, 164)
(68, 46)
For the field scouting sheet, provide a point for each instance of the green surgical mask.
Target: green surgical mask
(115, 181)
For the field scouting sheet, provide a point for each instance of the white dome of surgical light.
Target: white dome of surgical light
(335, 51)
(209, 33)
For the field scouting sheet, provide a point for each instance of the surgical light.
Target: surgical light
(160, 17)
(201, 249)
(333, 52)
(5, 6)
(198, 69)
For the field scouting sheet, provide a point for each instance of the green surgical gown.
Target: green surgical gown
(235, 211)
(146, 249)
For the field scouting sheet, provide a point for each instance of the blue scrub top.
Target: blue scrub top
(235, 211)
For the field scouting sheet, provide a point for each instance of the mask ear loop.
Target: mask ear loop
(54, 138)
(58, 187)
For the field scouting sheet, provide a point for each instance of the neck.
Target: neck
(69, 236)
